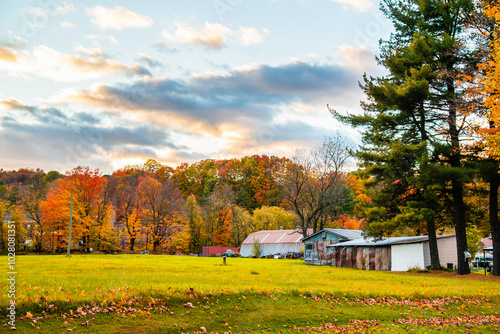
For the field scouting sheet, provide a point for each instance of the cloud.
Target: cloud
(213, 35)
(110, 39)
(61, 140)
(253, 109)
(357, 57)
(117, 18)
(7, 55)
(86, 64)
(214, 104)
(65, 9)
(67, 25)
(149, 61)
(359, 5)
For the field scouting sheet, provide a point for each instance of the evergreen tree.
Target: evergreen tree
(413, 126)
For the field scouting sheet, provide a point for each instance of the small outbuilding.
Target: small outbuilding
(315, 251)
(392, 254)
(273, 242)
(216, 250)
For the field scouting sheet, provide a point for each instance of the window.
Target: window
(309, 247)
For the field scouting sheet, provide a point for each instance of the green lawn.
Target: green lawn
(174, 294)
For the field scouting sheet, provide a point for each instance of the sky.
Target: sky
(109, 83)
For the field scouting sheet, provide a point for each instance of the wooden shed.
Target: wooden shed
(315, 251)
(392, 254)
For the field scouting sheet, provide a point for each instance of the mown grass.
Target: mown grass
(246, 295)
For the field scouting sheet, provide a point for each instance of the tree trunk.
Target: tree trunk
(460, 232)
(456, 183)
(156, 244)
(494, 222)
(431, 232)
(132, 244)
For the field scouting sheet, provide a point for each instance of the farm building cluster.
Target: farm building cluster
(348, 248)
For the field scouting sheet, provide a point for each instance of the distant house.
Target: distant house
(273, 242)
(315, 244)
(487, 242)
(393, 254)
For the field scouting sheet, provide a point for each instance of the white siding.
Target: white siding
(447, 251)
(406, 256)
(246, 250)
(427, 255)
(271, 249)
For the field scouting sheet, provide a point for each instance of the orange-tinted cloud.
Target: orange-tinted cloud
(7, 55)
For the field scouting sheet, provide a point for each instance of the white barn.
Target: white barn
(394, 254)
(274, 242)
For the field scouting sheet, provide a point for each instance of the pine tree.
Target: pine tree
(413, 125)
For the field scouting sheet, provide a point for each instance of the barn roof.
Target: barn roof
(275, 237)
(387, 241)
(342, 233)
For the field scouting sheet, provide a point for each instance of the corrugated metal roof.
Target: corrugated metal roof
(387, 241)
(340, 232)
(275, 237)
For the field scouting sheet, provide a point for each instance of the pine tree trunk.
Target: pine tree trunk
(494, 222)
(433, 247)
(456, 184)
(460, 232)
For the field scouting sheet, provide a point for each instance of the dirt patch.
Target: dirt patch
(472, 276)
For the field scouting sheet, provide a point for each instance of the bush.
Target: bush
(256, 248)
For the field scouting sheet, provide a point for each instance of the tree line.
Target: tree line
(158, 208)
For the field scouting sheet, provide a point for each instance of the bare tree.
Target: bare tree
(315, 182)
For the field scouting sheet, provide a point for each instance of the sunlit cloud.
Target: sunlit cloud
(7, 55)
(214, 35)
(359, 5)
(117, 18)
(86, 64)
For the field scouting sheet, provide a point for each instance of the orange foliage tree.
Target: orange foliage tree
(92, 210)
(161, 205)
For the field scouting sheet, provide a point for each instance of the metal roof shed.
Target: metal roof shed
(273, 242)
(394, 254)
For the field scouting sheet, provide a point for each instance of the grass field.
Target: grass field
(175, 294)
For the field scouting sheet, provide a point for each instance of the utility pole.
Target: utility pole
(70, 221)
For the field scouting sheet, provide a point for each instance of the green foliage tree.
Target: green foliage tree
(274, 218)
(3, 227)
(31, 197)
(195, 223)
(256, 248)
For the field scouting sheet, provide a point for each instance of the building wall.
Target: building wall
(315, 251)
(447, 251)
(427, 254)
(272, 249)
(368, 258)
(407, 256)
